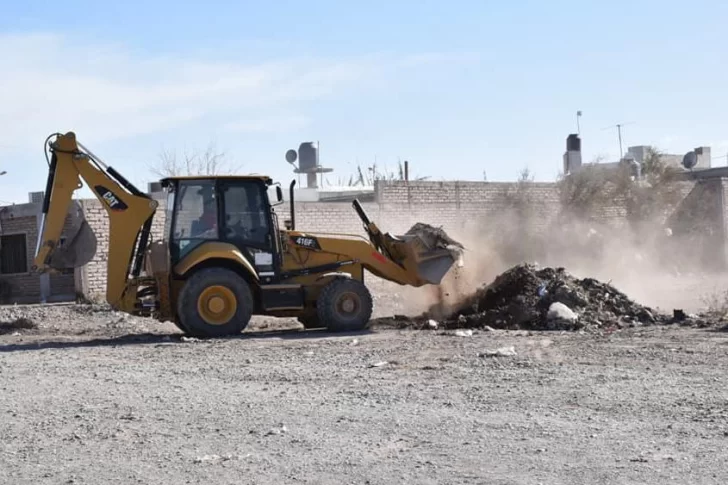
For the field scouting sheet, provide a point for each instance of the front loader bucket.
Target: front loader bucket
(431, 252)
(433, 267)
(79, 245)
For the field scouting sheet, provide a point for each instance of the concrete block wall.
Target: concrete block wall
(452, 205)
(27, 286)
(23, 286)
(699, 220)
(456, 206)
(724, 210)
(92, 276)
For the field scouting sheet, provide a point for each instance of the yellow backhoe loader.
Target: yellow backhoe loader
(223, 257)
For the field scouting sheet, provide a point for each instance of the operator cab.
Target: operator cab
(227, 209)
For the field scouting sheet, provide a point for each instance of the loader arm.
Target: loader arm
(421, 256)
(129, 210)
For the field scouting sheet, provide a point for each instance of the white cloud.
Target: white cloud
(440, 58)
(273, 124)
(52, 83)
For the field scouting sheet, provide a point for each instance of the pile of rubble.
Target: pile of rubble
(528, 298)
(69, 319)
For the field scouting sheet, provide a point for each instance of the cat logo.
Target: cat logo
(111, 199)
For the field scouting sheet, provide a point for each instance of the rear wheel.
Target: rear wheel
(178, 324)
(344, 305)
(215, 302)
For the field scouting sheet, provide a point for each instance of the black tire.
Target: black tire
(179, 325)
(228, 322)
(310, 322)
(331, 305)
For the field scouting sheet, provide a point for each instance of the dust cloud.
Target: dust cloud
(648, 262)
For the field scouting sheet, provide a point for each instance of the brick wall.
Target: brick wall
(92, 276)
(459, 207)
(26, 286)
(452, 205)
(724, 210)
(698, 224)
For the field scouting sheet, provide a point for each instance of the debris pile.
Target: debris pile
(528, 298)
(434, 237)
(69, 319)
(15, 324)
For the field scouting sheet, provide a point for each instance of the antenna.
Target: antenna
(619, 134)
(578, 126)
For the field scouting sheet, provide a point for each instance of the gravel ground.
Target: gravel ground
(89, 396)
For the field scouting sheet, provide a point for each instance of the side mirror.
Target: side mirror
(278, 197)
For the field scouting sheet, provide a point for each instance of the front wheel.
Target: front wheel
(215, 302)
(344, 305)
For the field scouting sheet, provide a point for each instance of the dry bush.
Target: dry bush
(208, 162)
(656, 191)
(518, 196)
(716, 304)
(583, 193)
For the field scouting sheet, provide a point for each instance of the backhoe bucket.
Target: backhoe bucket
(432, 252)
(79, 245)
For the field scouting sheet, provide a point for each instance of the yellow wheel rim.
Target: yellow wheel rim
(217, 305)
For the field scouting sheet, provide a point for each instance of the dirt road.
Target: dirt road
(107, 402)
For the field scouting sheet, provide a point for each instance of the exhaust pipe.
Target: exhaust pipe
(293, 207)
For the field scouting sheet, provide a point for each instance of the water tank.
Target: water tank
(573, 143)
(307, 156)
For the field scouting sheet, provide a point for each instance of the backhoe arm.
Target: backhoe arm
(130, 216)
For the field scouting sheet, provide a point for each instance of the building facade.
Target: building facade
(19, 225)
(460, 207)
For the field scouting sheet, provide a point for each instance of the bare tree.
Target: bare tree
(525, 176)
(208, 162)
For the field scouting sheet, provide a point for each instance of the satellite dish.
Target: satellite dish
(690, 160)
(291, 156)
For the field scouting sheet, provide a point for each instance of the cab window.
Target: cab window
(247, 215)
(196, 215)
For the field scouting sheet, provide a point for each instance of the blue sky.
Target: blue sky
(457, 88)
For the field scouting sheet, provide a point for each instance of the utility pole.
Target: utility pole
(619, 133)
(619, 136)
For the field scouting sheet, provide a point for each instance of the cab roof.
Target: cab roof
(264, 178)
